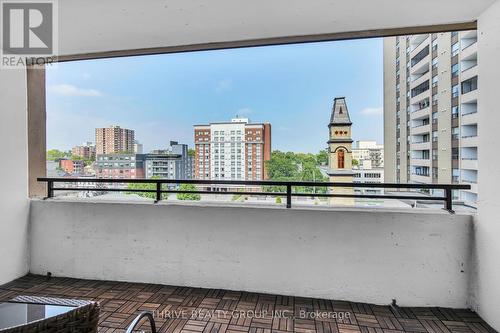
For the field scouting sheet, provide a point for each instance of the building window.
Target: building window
(420, 89)
(454, 49)
(419, 56)
(469, 85)
(454, 70)
(340, 159)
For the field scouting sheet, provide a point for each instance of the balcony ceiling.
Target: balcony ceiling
(99, 26)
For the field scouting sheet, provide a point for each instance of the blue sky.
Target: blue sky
(163, 96)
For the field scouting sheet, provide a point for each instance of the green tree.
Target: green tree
(294, 167)
(355, 162)
(191, 152)
(188, 196)
(146, 186)
(55, 154)
(322, 157)
(86, 161)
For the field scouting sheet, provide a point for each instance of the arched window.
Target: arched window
(340, 159)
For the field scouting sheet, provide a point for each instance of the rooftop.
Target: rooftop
(121, 302)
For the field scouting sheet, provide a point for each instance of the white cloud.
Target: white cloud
(373, 111)
(70, 90)
(244, 112)
(223, 85)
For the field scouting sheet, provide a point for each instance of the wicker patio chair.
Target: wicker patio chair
(82, 319)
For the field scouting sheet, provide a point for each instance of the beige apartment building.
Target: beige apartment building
(113, 140)
(430, 110)
(235, 150)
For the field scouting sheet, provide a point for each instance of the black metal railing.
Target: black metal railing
(287, 185)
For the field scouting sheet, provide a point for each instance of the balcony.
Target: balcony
(469, 141)
(470, 118)
(469, 163)
(244, 248)
(472, 183)
(421, 162)
(419, 130)
(469, 73)
(421, 178)
(420, 113)
(470, 97)
(421, 78)
(420, 145)
(469, 51)
(422, 66)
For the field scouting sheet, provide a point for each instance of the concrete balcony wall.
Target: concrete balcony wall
(13, 192)
(467, 74)
(423, 113)
(469, 97)
(421, 179)
(471, 141)
(421, 67)
(419, 130)
(469, 51)
(371, 255)
(420, 41)
(421, 146)
(421, 96)
(469, 164)
(469, 119)
(487, 226)
(421, 79)
(421, 162)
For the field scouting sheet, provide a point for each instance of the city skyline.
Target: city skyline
(162, 97)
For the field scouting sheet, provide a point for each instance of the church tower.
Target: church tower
(340, 151)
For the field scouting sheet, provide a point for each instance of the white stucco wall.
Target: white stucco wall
(370, 256)
(487, 224)
(13, 192)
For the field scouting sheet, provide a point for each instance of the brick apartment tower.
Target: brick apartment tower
(235, 150)
(113, 140)
(340, 150)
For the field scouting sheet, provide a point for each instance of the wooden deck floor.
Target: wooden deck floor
(181, 309)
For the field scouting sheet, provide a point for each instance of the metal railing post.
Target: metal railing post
(448, 201)
(288, 196)
(50, 189)
(158, 191)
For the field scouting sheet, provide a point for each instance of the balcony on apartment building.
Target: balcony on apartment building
(387, 269)
(469, 113)
(469, 136)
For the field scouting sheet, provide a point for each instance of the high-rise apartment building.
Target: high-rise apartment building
(430, 110)
(235, 150)
(85, 151)
(114, 140)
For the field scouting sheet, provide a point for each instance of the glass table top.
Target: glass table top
(16, 314)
